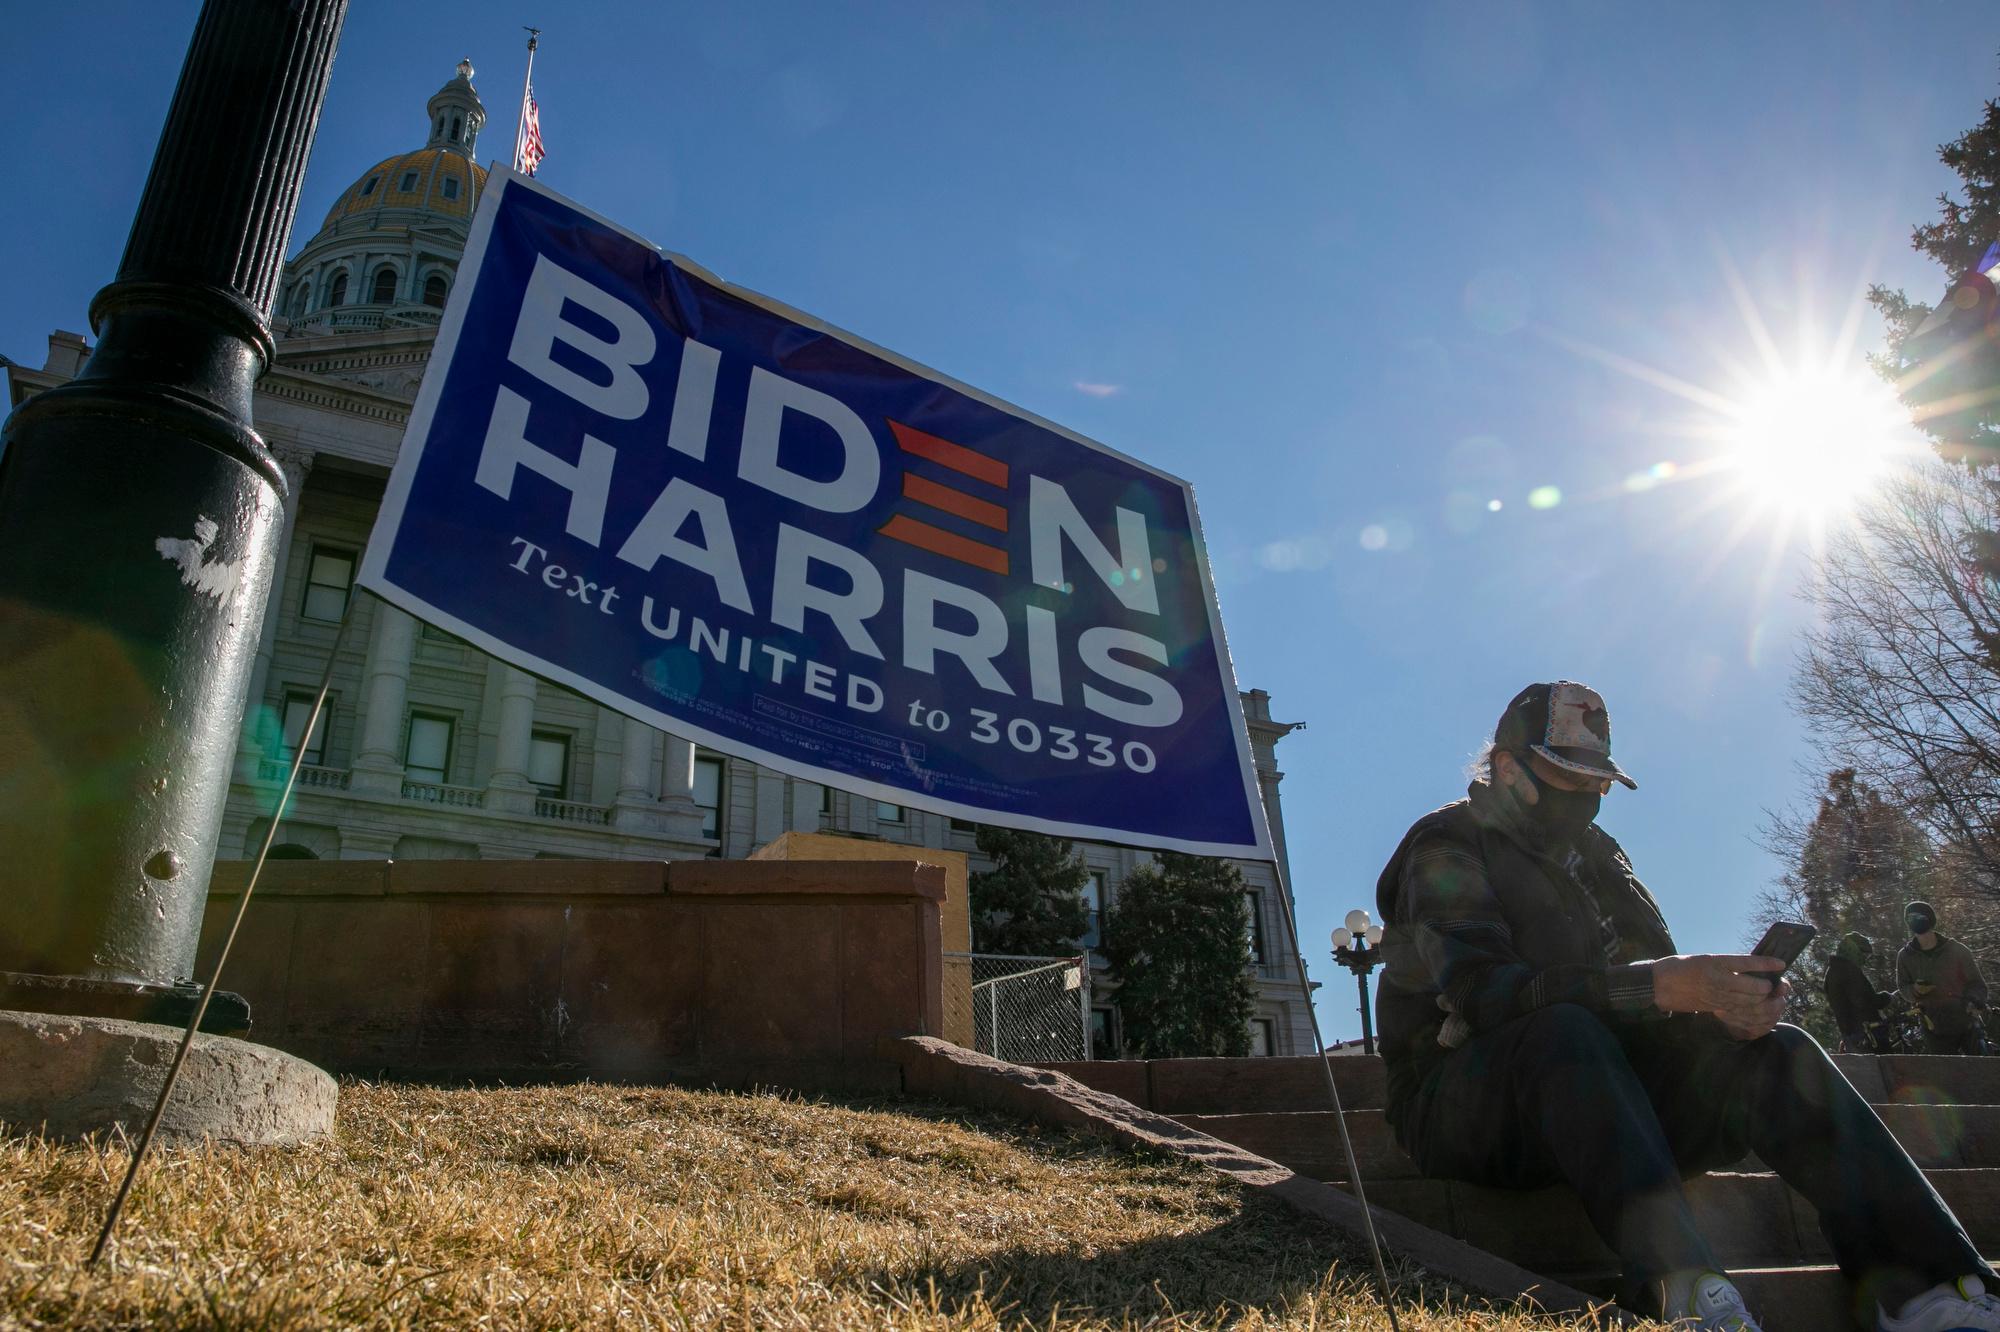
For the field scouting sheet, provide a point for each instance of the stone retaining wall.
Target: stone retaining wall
(731, 972)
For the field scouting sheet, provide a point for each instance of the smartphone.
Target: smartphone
(1785, 940)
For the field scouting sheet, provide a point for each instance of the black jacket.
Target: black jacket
(1852, 996)
(1484, 924)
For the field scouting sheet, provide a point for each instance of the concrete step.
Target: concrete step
(1937, 1079)
(1936, 1136)
(1808, 1298)
(1964, 1136)
(1310, 1144)
(1924, 1079)
(1275, 1086)
(1751, 1219)
(1233, 1086)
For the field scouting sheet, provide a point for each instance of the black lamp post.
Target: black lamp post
(1357, 945)
(138, 515)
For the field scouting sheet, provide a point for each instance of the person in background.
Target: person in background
(1540, 1027)
(1858, 1007)
(1940, 976)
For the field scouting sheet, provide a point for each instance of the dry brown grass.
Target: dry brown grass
(621, 1207)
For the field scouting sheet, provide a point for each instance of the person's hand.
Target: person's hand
(1758, 1019)
(1723, 984)
(1924, 987)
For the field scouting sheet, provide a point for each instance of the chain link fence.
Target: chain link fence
(1026, 1010)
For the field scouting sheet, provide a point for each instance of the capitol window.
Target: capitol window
(434, 290)
(368, 186)
(548, 764)
(385, 286)
(708, 795)
(336, 294)
(427, 752)
(451, 187)
(328, 576)
(409, 181)
(298, 707)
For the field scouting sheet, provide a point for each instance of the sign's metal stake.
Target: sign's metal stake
(117, 1208)
(1333, 1093)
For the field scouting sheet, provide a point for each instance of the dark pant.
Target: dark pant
(1621, 1112)
(1864, 1040)
(1957, 1034)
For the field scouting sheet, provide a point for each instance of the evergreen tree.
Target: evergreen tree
(1177, 941)
(1954, 395)
(1854, 866)
(1031, 901)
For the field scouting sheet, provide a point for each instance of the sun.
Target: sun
(1810, 444)
(1788, 437)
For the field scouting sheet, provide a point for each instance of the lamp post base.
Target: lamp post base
(131, 1001)
(75, 1077)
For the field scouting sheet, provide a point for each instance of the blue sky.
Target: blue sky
(1355, 271)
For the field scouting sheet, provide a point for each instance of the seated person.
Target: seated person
(1539, 1027)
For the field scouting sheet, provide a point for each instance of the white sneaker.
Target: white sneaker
(1709, 1302)
(1956, 1306)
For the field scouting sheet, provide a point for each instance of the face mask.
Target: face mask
(1919, 923)
(1561, 813)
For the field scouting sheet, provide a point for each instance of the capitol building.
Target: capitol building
(429, 748)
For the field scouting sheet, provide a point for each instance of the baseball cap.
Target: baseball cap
(1565, 722)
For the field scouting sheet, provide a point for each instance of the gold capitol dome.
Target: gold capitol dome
(435, 179)
(387, 253)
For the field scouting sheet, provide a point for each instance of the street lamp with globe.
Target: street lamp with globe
(1357, 945)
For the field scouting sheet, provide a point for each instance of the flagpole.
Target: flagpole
(527, 88)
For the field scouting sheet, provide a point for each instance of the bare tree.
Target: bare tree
(1901, 678)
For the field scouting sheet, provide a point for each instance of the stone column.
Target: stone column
(385, 686)
(634, 808)
(807, 798)
(261, 727)
(509, 789)
(678, 776)
(771, 812)
(635, 766)
(678, 817)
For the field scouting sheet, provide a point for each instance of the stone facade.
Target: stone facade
(429, 748)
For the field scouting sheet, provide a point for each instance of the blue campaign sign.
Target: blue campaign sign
(752, 530)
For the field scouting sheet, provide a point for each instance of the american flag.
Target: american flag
(530, 152)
